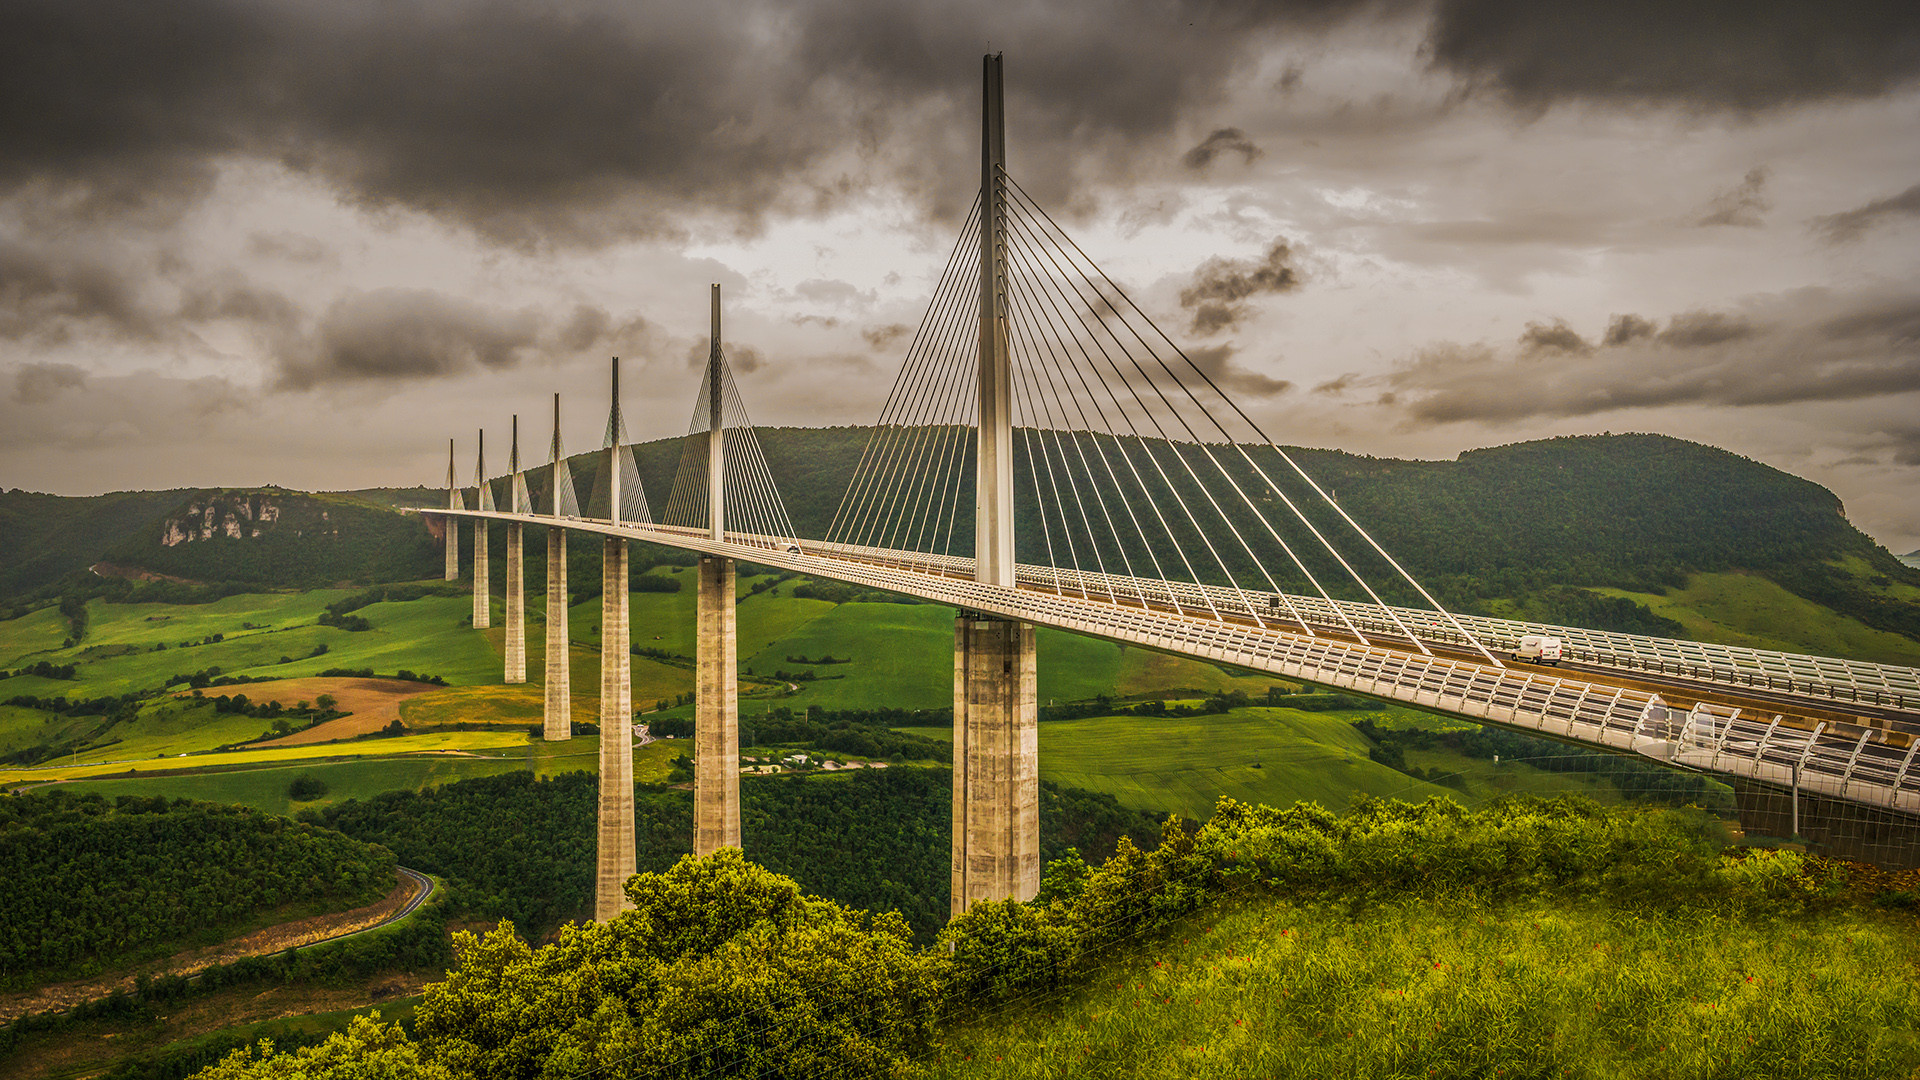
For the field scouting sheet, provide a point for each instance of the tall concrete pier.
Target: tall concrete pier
(716, 710)
(996, 762)
(559, 699)
(716, 716)
(482, 596)
(996, 745)
(617, 859)
(516, 647)
(450, 529)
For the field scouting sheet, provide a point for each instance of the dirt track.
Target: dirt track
(264, 942)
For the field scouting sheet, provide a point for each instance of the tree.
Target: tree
(326, 702)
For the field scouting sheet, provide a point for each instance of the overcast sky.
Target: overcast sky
(305, 243)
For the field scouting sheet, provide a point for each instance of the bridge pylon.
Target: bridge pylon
(716, 709)
(558, 712)
(482, 594)
(516, 644)
(996, 750)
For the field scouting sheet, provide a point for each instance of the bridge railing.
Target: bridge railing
(1728, 665)
(1849, 766)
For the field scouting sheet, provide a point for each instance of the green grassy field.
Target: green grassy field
(265, 787)
(121, 652)
(1272, 756)
(1264, 988)
(30, 637)
(1746, 609)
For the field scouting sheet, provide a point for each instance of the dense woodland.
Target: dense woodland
(89, 883)
(522, 849)
(1534, 523)
(726, 969)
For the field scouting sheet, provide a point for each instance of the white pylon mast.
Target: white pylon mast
(993, 505)
(716, 438)
(613, 442)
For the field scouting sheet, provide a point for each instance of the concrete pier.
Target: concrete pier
(716, 713)
(559, 706)
(482, 598)
(996, 762)
(516, 607)
(617, 859)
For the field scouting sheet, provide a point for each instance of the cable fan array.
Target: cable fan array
(752, 509)
(633, 497)
(1137, 479)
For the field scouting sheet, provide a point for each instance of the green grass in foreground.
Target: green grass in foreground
(1262, 988)
(1750, 610)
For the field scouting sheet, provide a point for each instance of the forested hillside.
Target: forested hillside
(47, 537)
(1531, 525)
(87, 884)
(523, 849)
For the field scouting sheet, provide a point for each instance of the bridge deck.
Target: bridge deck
(1854, 763)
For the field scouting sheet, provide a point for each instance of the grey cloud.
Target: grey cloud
(587, 121)
(880, 338)
(1220, 288)
(1230, 140)
(48, 297)
(290, 247)
(1556, 336)
(1852, 224)
(1803, 346)
(407, 334)
(1741, 205)
(1742, 55)
(1625, 329)
(35, 384)
(1218, 364)
(838, 293)
(1696, 329)
(743, 359)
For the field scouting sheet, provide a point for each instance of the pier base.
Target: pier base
(716, 716)
(996, 762)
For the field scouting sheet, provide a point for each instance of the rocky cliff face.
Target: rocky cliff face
(237, 516)
(282, 538)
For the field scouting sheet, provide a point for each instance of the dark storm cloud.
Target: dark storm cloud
(1224, 141)
(580, 122)
(1853, 224)
(408, 334)
(1741, 205)
(48, 297)
(1804, 346)
(1220, 288)
(1733, 54)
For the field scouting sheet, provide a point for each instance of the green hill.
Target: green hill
(1588, 530)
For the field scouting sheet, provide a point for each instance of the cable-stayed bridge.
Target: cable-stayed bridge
(1049, 457)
